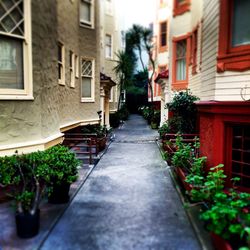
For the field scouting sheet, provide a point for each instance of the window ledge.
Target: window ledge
(17, 97)
(91, 27)
(87, 100)
(180, 85)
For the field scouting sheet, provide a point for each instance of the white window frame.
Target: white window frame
(61, 64)
(116, 93)
(111, 46)
(27, 92)
(84, 23)
(109, 7)
(92, 98)
(76, 66)
(111, 97)
(72, 69)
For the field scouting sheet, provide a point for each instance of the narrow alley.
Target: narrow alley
(128, 201)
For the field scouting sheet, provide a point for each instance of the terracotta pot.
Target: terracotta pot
(182, 177)
(27, 225)
(220, 243)
(102, 143)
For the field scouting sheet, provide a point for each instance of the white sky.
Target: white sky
(137, 12)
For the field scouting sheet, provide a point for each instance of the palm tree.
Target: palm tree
(123, 70)
(140, 38)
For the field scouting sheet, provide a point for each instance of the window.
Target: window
(111, 93)
(181, 6)
(76, 66)
(163, 36)
(61, 64)
(181, 52)
(108, 46)
(87, 13)
(109, 7)
(239, 155)
(234, 36)
(72, 68)
(87, 84)
(194, 50)
(15, 50)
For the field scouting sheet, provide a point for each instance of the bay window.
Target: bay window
(181, 51)
(15, 50)
(234, 36)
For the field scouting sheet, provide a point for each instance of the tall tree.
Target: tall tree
(141, 39)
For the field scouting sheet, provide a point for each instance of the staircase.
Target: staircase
(85, 146)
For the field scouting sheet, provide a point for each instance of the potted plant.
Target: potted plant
(155, 119)
(63, 170)
(27, 175)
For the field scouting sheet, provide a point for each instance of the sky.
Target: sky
(136, 12)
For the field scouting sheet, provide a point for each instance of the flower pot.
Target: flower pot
(60, 194)
(180, 173)
(102, 143)
(27, 225)
(220, 243)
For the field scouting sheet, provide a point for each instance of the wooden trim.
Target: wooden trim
(179, 85)
(181, 8)
(194, 49)
(230, 58)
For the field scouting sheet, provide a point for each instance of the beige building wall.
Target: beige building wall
(28, 125)
(110, 26)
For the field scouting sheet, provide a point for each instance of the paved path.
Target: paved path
(128, 202)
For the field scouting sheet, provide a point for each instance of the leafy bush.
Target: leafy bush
(62, 164)
(185, 112)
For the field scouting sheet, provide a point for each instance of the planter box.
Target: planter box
(220, 243)
(101, 143)
(182, 178)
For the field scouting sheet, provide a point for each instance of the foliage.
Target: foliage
(139, 39)
(229, 214)
(147, 113)
(185, 112)
(209, 185)
(28, 174)
(155, 119)
(118, 116)
(62, 165)
(186, 154)
(99, 130)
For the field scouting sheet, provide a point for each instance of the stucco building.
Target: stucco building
(50, 68)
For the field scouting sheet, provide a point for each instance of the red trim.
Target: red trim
(181, 8)
(215, 120)
(230, 58)
(180, 85)
(194, 50)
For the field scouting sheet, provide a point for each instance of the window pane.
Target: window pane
(181, 60)
(85, 11)
(86, 87)
(108, 51)
(241, 23)
(11, 17)
(181, 70)
(11, 63)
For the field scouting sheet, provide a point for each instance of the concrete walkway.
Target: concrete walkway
(128, 202)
